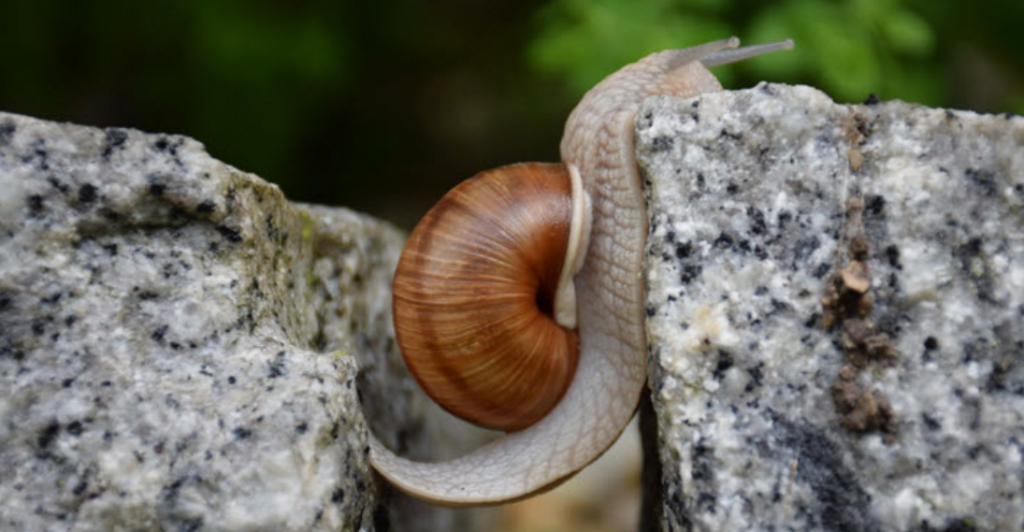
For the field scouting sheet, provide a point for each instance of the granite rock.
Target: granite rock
(179, 345)
(836, 312)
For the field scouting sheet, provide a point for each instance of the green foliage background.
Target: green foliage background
(383, 106)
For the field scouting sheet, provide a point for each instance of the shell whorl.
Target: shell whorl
(474, 297)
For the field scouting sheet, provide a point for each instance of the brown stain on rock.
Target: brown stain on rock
(847, 303)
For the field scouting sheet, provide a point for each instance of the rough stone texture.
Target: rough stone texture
(180, 346)
(898, 408)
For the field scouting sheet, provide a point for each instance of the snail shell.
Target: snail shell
(474, 297)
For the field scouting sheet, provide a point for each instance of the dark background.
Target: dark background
(383, 106)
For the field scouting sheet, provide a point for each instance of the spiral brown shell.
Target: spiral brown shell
(473, 297)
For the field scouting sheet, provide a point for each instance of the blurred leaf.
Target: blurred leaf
(848, 48)
(585, 40)
(907, 33)
(268, 44)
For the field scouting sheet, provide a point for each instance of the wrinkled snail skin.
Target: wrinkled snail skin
(610, 373)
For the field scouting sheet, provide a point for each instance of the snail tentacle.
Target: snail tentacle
(739, 54)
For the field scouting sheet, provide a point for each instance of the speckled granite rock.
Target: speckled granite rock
(179, 344)
(836, 302)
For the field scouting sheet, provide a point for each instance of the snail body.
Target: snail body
(605, 240)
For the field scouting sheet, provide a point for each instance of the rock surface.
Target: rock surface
(179, 344)
(836, 313)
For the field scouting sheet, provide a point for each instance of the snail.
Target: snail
(558, 249)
